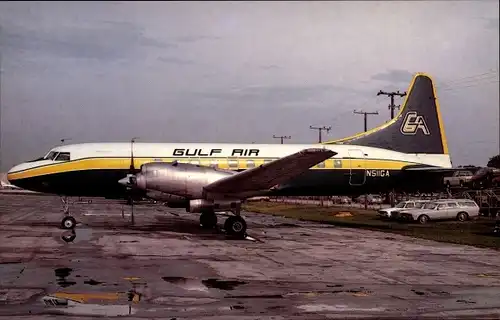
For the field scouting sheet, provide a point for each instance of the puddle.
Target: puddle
(222, 284)
(338, 307)
(92, 282)
(465, 301)
(186, 284)
(203, 285)
(259, 296)
(61, 275)
(77, 235)
(420, 293)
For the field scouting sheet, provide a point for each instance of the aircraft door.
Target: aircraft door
(357, 167)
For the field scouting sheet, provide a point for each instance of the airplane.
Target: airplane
(408, 153)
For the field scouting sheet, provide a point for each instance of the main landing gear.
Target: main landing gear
(235, 226)
(68, 222)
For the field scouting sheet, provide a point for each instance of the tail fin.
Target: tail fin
(418, 127)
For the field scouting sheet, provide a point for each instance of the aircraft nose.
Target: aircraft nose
(11, 174)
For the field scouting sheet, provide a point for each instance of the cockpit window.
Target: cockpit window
(51, 155)
(62, 156)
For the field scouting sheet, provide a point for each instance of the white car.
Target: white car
(389, 213)
(445, 209)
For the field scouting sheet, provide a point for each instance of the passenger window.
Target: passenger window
(321, 164)
(441, 206)
(452, 204)
(410, 205)
(250, 164)
(233, 164)
(62, 156)
(214, 163)
(195, 162)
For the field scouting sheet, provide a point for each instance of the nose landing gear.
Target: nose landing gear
(68, 222)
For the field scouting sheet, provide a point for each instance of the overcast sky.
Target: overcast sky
(240, 71)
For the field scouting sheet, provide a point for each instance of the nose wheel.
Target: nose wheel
(68, 222)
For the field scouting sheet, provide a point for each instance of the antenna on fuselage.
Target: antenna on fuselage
(65, 139)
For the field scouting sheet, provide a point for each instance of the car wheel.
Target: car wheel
(423, 219)
(462, 216)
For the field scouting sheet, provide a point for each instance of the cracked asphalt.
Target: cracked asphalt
(165, 266)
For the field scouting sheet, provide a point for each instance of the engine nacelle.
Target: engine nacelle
(179, 179)
(198, 205)
(172, 201)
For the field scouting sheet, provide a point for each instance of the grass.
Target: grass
(475, 233)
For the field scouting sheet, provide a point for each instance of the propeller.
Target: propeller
(130, 180)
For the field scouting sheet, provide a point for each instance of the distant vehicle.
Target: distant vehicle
(370, 199)
(446, 209)
(401, 206)
(344, 200)
(458, 179)
(485, 177)
(254, 199)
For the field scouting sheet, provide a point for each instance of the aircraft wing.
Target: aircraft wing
(270, 174)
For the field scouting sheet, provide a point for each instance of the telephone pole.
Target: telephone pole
(391, 95)
(366, 114)
(282, 138)
(320, 130)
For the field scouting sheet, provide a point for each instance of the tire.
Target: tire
(208, 220)
(68, 222)
(236, 226)
(423, 219)
(462, 216)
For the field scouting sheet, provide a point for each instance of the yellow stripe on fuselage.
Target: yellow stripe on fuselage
(223, 163)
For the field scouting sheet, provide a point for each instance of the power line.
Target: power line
(366, 114)
(282, 138)
(391, 95)
(320, 130)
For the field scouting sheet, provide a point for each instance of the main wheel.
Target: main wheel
(236, 226)
(68, 222)
(208, 220)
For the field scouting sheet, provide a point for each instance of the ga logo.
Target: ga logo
(414, 122)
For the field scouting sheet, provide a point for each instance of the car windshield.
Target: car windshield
(429, 205)
(420, 204)
(400, 205)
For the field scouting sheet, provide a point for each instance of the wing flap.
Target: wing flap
(270, 174)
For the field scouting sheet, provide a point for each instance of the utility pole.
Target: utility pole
(391, 95)
(282, 137)
(320, 129)
(366, 114)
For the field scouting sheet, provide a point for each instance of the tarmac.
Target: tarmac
(166, 267)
